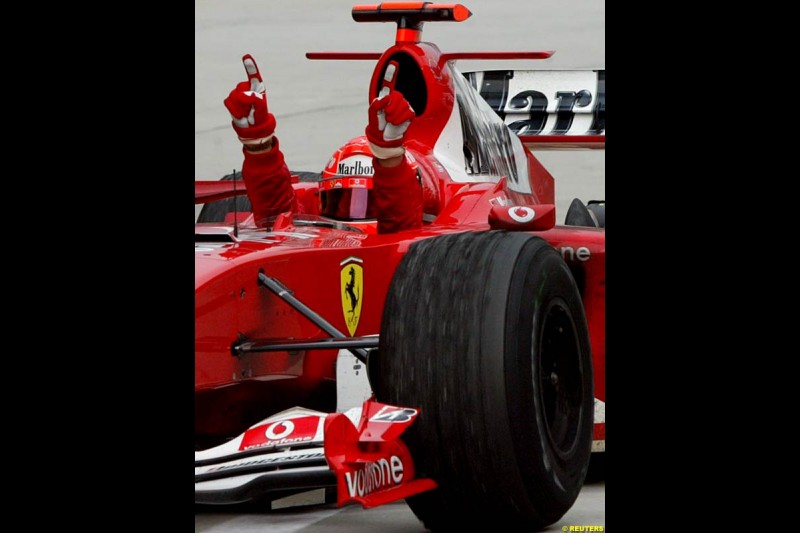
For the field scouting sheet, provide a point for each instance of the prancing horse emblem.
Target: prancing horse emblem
(352, 278)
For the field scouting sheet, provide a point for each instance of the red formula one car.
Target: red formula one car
(460, 366)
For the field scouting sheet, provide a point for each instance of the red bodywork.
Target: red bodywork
(234, 392)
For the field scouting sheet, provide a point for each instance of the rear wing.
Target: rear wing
(548, 109)
(211, 191)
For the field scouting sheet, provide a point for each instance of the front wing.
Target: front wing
(358, 452)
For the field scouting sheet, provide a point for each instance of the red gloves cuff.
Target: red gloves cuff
(257, 131)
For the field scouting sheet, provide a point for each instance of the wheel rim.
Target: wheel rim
(559, 379)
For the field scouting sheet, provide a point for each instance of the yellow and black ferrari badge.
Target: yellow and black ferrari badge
(352, 276)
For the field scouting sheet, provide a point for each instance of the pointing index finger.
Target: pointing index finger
(389, 78)
(253, 74)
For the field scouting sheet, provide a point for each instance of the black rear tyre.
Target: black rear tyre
(486, 334)
(598, 207)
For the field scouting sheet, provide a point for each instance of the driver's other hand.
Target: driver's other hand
(247, 104)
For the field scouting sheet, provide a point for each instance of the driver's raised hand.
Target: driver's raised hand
(390, 114)
(247, 104)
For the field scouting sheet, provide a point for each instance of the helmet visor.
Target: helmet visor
(347, 198)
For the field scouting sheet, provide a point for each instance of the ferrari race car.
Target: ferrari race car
(461, 366)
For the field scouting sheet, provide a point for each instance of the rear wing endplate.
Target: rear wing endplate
(550, 109)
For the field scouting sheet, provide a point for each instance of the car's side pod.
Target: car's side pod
(538, 217)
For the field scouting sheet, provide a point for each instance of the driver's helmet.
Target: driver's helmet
(346, 184)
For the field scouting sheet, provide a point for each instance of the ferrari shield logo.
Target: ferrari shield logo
(352, 277)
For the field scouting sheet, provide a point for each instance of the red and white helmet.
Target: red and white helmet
(346, 185)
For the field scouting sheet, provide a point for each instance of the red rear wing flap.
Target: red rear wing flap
(210, 191)
(551, 109)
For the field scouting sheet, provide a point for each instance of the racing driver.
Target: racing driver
(396, 196)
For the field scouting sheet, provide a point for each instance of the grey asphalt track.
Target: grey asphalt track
(321, 104)
(396, 517)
